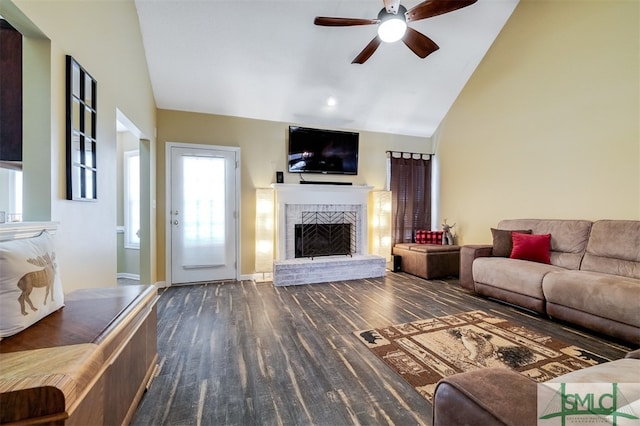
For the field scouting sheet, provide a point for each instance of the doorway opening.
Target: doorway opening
(134, 219)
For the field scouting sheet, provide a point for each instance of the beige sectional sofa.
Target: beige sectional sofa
(592, 280)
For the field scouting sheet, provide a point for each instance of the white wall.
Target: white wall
(104, 37)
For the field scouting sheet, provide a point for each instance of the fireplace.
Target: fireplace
(346, 202)
(322, 216)
(322, 240)
(335, 217)
(325, 234)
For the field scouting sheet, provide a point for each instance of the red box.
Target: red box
(428, 237)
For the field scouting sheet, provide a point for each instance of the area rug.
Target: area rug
(425, 351)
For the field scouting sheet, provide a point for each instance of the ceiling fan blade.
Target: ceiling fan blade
(429, 8)
(391, 6)
(367, 51)
(419, 43)
(343, 22)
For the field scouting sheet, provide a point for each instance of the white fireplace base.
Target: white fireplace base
(327, 269)
(291, 202)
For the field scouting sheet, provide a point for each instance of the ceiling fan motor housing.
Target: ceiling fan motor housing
(401, 14)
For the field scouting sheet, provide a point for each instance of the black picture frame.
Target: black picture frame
(81, 115)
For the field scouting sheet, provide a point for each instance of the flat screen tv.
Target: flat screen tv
(322, 151)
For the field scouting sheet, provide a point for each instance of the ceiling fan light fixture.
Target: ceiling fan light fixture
(392, 29)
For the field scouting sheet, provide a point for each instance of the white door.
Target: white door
(203, 214)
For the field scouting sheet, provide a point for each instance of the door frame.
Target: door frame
(168, 203)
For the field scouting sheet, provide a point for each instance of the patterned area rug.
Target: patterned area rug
(425, 351)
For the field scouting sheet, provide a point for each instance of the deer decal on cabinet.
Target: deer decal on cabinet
(37, 279)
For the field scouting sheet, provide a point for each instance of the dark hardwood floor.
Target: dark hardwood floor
(253, 354)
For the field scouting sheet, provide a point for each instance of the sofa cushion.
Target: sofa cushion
(624, 370)
(502, 243)
(568, 237)
(607, 296)
(614, 248)
(531, 247)
(30, 286)
(519, 276)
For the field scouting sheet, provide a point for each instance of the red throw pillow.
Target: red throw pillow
(531, 247)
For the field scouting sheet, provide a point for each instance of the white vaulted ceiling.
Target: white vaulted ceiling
(267, 60)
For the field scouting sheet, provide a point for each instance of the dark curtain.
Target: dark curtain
(410, 186)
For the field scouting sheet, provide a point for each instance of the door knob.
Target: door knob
(175, 222)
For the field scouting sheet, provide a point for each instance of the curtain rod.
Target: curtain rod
(401, 154)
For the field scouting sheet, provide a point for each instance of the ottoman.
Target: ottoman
(428, 260)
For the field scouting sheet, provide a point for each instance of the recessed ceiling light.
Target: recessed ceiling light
(331, 101)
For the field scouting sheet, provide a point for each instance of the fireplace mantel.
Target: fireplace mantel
(314, 193)
(317, 195)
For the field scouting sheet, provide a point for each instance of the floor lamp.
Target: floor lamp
(264, 230)
(381, 224)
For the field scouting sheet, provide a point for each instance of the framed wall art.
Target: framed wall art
(81, 133)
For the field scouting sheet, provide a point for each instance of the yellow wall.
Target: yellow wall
(263, 150)
(548, 125)
(104, 37)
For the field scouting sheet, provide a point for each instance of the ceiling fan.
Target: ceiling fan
(392, 25)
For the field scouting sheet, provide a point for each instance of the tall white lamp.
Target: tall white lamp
(264, 229)
(381, 224)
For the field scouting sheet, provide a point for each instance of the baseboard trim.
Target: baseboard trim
(261, 277)
(128, 276)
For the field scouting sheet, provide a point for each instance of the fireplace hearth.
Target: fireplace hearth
(344, 209)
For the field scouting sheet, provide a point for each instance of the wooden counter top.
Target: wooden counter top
(78, 321)
(57, 367)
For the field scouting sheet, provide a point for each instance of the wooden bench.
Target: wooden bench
(89, 363)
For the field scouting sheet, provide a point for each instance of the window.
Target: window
(11, 106)
(11, 199)
(132, 199)
(410, 182)
(203, 216)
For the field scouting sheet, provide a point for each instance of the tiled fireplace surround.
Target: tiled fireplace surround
(291, 201)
